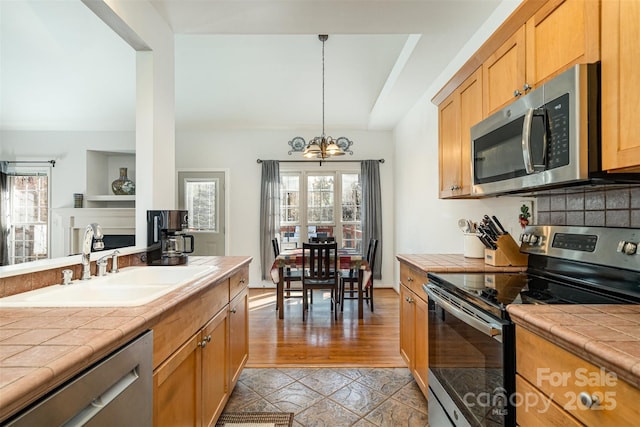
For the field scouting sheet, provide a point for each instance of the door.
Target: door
(202, 193)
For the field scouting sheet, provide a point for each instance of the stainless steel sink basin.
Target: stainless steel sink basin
(131, 287)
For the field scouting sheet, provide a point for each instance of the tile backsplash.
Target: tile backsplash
(612, 207)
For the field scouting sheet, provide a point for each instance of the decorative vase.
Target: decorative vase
(123, 186)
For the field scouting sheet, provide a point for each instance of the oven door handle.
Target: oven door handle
(526, 141)
(454, 306)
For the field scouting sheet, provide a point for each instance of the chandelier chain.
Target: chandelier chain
(323, 87)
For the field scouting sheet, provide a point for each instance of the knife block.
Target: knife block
(507, 254)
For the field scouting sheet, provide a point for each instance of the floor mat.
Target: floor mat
(255, 419)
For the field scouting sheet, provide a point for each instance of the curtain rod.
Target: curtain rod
(321, 161)
(53, 162)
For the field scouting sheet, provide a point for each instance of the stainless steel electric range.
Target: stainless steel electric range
(471, 338)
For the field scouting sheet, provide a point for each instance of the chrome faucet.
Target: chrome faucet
(93, 231)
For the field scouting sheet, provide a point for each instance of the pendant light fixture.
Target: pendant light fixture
(321, 147)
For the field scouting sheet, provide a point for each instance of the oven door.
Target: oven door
(471, 363)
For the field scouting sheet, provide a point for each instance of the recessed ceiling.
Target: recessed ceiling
(239, 64)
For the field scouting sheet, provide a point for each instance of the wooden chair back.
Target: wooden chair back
(320, 261)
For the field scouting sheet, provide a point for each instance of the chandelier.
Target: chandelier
(321, 147)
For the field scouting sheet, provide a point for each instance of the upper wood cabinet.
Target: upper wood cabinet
(457, 114)
(504, 73)
(620, 71)
(560, 34)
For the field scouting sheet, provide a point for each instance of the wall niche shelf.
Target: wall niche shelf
(103, 167)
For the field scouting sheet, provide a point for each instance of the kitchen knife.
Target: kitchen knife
(497, 223)
(486, 242)
(492, 227)
(486, 230)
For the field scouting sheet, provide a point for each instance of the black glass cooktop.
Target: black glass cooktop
(494, 291)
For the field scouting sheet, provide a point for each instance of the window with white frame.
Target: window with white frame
(28, 215)
(320, 204)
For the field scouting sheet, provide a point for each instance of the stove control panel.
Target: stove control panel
(608, 246)
(627, 248)
(531, 239)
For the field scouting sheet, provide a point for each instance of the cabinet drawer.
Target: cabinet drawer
(239, 281)
(537, 409)
(562, 376)
(413, 279)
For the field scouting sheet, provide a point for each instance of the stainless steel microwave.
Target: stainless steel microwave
(549, 137)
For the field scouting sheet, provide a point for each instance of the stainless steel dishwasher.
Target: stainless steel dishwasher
(116, 391)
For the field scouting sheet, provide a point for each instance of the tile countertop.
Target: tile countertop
(451, 263)
(40, 348)
(605, 335)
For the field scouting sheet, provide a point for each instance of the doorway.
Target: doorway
(202, 193)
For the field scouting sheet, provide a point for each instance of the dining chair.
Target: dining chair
(351, 277)
(320, 271)
(289, 275)
(322, 239)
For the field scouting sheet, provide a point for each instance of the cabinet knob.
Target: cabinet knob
(242, 280)
(588, 400)
(208, 338)
(516, 93)
(526, 87)
(409, 300)
(202, 343)
(233, 310)
(455, 187)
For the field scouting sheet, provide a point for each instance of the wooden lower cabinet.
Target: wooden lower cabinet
(547, 372)
(414, 332)
(176, 387)
(238, 335)
(191, 387)
(193, 384)
(215, 365)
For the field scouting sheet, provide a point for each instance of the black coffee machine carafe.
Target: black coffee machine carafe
(166, 242)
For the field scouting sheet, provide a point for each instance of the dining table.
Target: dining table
(349, 259)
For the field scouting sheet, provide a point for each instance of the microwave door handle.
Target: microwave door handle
(526, 141)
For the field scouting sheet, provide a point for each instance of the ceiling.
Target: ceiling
(239, 64)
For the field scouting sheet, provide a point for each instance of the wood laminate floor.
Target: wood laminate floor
(321, 341)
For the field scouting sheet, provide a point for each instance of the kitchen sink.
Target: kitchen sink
(132, 286)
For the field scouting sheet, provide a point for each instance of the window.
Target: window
(331, 208)
(28, 216)
(201, 199)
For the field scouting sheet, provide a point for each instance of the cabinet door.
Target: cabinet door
(238, 335)
(470, 114)
(562, 33)
(421, 364)
(215, 368)
(176, 387)
(449, 145)
(620, 71)
(503, 73)
(407, 326)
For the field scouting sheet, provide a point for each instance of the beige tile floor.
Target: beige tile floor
(333, 397)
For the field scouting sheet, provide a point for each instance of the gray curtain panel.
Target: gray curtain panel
(4, 209)
(372, 209)
(269, 213)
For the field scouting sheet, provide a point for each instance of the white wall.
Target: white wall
(423, 222)
(68, 149)
(238, 151)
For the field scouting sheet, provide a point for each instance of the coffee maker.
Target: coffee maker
(166, 242)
